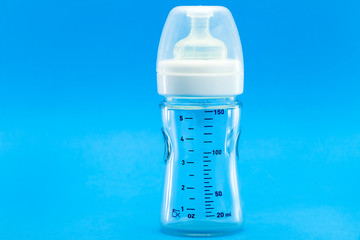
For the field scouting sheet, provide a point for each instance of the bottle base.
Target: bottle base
(201, 229)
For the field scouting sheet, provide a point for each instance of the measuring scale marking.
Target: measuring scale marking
(202, 162)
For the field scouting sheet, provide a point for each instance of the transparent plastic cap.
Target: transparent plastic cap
(199, 42)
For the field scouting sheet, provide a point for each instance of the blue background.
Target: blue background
(80, 143)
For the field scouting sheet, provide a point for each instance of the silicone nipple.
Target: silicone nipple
(200, 44)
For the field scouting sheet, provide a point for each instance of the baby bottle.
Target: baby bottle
(200, 75)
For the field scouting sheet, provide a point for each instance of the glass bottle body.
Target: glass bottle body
(201, 193)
